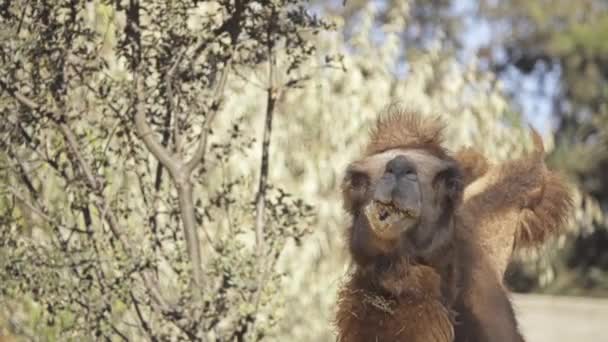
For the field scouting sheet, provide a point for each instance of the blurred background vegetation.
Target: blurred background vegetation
(257, 107)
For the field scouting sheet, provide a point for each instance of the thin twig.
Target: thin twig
(73, 145)
(260, 198)
(249, 81)
(260, 201)
(30, 206)
(143, 323)
(169, 75)
(199, 153)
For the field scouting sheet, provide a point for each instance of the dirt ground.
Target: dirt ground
(562, 319)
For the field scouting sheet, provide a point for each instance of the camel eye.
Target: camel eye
(451, 181)
(357, 179)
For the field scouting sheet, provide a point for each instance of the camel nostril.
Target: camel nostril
(411, 175)
(383, 215)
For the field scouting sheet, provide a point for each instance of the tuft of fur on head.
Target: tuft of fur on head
(401, 128)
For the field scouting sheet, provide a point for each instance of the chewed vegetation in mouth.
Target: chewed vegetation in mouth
(383, 215)
(385, 210)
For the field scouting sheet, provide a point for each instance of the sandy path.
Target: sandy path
(562, 319)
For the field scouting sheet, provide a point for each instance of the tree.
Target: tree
(120, 222)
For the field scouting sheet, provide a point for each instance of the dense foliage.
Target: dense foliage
(121, 218)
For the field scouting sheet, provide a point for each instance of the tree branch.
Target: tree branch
(186, 206)
(33, 208)
(199, 154)
(260, 198)
(146, 133)
(180, 176)
(171, 104)
(73, 144)
(166, 134)
(144, 324)
(65, 130)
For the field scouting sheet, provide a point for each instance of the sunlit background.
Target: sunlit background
(488, 67)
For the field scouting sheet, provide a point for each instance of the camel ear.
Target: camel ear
(472, 163)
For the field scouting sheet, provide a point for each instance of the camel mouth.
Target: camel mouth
(385, 210)
(383, 216)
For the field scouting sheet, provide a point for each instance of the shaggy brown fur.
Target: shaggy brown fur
(405, 289)
(516, 204)
(426, 318)
(392, 295)
(397, 129)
